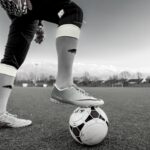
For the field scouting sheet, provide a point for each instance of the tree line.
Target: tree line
(123, 79)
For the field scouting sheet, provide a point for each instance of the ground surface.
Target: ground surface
(128, 110)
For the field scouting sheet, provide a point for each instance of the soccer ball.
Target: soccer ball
(88, 126)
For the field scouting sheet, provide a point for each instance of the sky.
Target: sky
(115, 34)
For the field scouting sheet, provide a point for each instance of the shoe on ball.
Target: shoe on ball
(75, 96)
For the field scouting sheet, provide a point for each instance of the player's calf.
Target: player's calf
(7, 76)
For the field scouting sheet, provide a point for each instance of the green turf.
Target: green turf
(128, 110)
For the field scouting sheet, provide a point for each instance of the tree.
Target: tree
(139, 75)
(86, 79)
(111, 80)
(86, 76)
(114, 78)
(124, 75)
(51, 80)
(32, 77)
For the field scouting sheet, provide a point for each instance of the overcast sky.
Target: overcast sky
(116, 33)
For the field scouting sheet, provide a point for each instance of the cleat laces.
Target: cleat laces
(80, 90)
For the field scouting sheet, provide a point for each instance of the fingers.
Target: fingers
(16, 7)
(39, 35)
(19, 4)
(15, 1)
(24, 7)
(26, 4)
(29, 5)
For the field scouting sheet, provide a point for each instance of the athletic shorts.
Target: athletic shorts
(58, 13)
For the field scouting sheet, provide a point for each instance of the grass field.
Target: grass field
(128, 110)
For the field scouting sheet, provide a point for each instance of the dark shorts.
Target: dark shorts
(47, 11)
(22, 29)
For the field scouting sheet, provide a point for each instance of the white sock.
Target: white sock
(7, 76)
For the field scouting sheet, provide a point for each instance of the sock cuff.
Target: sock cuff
(8, 70)
(70, 30)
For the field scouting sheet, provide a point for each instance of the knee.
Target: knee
(16, 49)
(12, 61)
(19, 39)
(73, 15)
(7, 70)
(80, 15)
(77, 15)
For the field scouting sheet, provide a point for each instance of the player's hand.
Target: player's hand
(39, 35)
(16, 7)
(23, 5)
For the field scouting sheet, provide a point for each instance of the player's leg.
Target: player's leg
(67, 37)
(20, 36)
(68, 32)
(66, 50)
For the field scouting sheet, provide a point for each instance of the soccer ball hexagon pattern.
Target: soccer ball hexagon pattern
(88, 126)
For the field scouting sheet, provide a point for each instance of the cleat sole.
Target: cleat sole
(55, 101)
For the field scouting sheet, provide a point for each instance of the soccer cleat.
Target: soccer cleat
(75, 96)
(9, 120)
